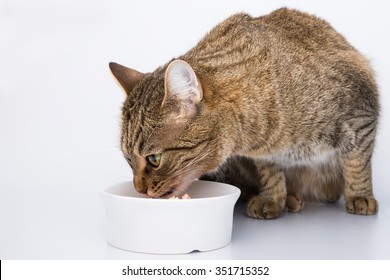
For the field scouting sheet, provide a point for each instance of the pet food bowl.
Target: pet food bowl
(170, 226)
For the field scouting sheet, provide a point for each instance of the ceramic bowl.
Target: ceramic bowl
(170, 226)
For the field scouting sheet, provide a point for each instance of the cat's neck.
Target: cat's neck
(248, 115)
(247, 126)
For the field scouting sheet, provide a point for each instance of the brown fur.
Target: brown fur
(280, 105)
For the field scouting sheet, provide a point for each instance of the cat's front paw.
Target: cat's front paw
(260, 208)
(361, 205)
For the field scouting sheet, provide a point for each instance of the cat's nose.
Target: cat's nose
(139, 186)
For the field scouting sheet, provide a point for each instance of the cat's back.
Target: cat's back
(281, 39)
(287, 50)
(284, 27)
(302, 31)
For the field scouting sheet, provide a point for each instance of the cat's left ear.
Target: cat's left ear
(127, 77)
(183, 88)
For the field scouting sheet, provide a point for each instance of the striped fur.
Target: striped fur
(289, 112)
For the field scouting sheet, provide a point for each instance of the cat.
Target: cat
(280, 105)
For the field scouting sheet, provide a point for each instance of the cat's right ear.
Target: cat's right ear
(182, 88)
(128, 78)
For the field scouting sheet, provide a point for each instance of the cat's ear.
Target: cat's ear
(182, 87)
(128, 78)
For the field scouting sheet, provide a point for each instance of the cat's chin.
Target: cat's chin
(174, 191)
(178, 189)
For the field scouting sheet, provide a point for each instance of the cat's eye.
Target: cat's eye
(154, 159)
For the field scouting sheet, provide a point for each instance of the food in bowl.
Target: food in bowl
(184, 196)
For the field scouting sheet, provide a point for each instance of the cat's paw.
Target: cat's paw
(259, 208)
(361, 205)
(294, 202)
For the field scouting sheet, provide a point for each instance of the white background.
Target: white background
(59, 125)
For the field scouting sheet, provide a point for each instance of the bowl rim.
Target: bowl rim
(104, 192)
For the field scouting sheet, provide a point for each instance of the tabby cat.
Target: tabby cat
(280, 105)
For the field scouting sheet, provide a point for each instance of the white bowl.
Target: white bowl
(170, 226)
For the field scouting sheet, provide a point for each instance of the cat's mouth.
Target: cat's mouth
(167, 194)
(170, 193)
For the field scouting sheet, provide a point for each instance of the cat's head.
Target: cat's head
(168, 134)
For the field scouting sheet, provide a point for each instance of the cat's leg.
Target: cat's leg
(333, 190)
(328, 190)
(238, 171)
(263, 186)
(322, 183)
(294, 185)
(270, 202)
(294, 202)
(359, 198)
